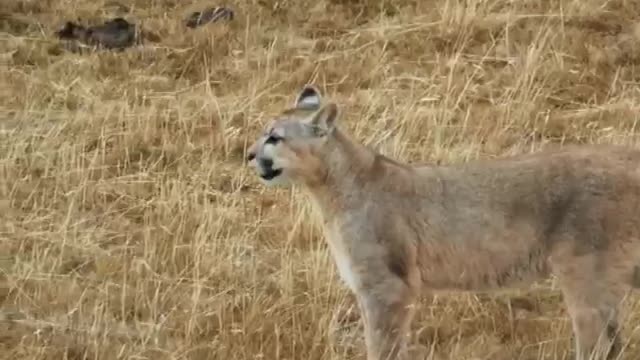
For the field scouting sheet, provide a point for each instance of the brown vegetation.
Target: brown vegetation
(130, 226)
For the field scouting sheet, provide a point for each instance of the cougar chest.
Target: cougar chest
(342, 256)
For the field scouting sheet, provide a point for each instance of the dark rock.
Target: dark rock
(117, 33)
(209, 15)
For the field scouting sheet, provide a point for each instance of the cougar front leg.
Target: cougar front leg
(387, 312)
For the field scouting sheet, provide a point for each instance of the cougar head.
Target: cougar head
(294, 146)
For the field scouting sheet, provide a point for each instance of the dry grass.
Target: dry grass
(130, 227)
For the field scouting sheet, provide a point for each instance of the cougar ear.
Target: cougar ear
(324, 119)
(308, 98)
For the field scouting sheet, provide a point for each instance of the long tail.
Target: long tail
(635, 281)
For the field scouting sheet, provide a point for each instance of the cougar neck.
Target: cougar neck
(347, 165)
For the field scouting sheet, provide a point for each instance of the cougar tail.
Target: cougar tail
(635, 280)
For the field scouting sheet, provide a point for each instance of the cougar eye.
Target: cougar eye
(273, 139)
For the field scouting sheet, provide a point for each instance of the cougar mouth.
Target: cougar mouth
(269, 174)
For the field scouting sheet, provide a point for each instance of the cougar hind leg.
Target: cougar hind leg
(593, 295)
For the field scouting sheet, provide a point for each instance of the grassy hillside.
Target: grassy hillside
(130, 227)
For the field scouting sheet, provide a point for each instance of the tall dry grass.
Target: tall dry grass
(131, 228)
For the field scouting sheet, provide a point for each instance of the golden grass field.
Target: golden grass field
(131, 227)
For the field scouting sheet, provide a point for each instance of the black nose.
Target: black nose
(251, 156)
(266, 163)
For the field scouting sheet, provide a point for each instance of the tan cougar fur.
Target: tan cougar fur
(397, 231)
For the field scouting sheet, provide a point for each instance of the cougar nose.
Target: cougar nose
(266, 163)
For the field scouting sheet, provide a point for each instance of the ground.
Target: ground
(131, 227)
